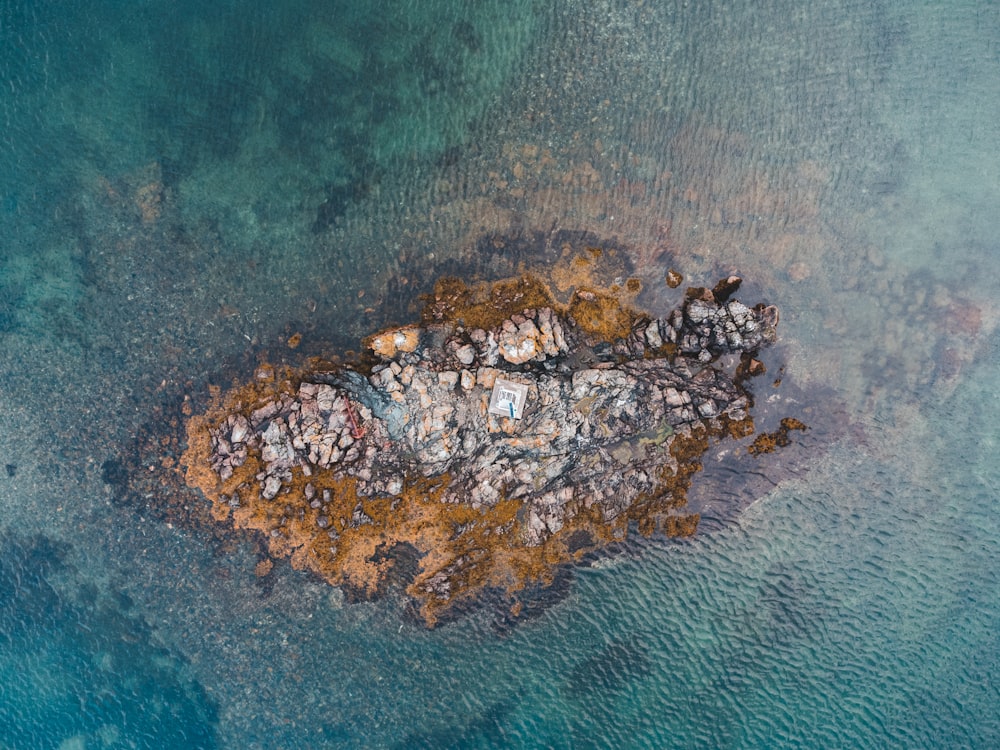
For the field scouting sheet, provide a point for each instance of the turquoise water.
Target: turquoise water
(183, 185)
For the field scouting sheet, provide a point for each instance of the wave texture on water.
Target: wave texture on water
(187, 190)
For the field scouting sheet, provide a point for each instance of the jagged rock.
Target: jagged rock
(610, 429)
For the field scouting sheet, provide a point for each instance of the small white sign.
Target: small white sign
(508, 398)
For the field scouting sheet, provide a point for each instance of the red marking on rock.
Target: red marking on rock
(357, 432)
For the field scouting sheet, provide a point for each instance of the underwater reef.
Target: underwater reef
(501, 436)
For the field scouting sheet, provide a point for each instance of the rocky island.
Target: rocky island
(502, 435)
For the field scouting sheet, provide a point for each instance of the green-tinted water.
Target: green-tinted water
(182, 186)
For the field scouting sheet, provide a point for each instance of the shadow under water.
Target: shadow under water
(98, 676)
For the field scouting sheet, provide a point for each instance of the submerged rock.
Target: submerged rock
(503, 435)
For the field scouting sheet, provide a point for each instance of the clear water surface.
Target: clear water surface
(183, 185)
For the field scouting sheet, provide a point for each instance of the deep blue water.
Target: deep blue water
(183, 185)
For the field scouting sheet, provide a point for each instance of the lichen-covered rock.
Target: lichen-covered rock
(407, 451)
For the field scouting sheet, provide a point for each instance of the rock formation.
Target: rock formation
(501, 436)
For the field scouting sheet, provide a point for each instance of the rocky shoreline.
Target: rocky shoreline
(500, 436)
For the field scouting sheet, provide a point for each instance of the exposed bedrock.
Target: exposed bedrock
(486, 436)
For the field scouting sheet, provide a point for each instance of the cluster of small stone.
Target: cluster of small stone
(313, 431)
(595, 433)
(706, 329)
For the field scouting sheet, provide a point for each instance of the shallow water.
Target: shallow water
(181, 189)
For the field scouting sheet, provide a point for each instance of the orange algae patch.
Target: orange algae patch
(485, 305)
(263, 568)
(769, 442)
(597, 310)
(601, 315)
